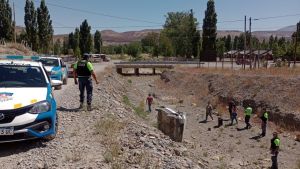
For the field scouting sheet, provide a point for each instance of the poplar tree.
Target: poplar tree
(97, 42)
(30, 20)
(6, 24)
(85, 38)
(45, 29)
(209, 51)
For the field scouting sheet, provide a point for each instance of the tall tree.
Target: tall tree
(85, 40)
(228, 45)
(97, 42)
(134, 50)
(235, 42)
(30, 20)
(181, 29)
(71, 41)
(57, 47)
(150, 42)
(76, 48)
(209, 51)
(6, 24)
(193, 34)
(45, 29)
(271, 42)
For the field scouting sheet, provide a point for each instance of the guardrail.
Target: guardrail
(160, 62)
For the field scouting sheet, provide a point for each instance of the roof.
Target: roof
(20, 63)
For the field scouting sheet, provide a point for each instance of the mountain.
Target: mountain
(111, 37)
(291, 28)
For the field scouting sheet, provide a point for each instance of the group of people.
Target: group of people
(84, 71)
(232, 109)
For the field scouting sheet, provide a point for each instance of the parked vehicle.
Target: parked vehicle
(27, 105)
(56, 68)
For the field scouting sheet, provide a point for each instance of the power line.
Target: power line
(101, 14)
(275, 17)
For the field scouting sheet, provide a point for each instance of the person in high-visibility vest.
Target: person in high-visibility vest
(275, 143)
(248, 112)
(264, 119)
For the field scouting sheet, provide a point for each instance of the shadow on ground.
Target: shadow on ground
(64, 109)
(8, 149)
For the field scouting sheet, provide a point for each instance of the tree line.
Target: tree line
(180, 36)
(82, 41)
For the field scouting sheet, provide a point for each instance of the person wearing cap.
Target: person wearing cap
(275, 143)
(264, 119)
(83, 70)
(248, 112)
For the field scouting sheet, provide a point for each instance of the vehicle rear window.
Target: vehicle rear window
(49, 62)
(21, 76)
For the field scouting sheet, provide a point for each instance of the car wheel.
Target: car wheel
(52, 136)
(58, 88)
(65, 81)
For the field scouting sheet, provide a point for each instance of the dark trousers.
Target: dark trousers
(149, 107)
(234, 117)
(247, 121)
(209, 114)
(263, 128)
(274, 161)
(86, 83)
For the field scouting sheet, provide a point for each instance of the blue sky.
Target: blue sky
(149, 14)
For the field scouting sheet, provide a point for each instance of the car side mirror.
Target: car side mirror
(56, 83)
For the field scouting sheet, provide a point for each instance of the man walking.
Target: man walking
(264, 119)
(248, 112)
(230, 105)
(275, 143)
(149, 101)
(234, 114)
(209, 109)
(83, 70)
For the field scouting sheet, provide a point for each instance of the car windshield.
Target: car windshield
(49, 62)
(21, 76)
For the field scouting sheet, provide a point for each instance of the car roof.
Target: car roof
(20, 63)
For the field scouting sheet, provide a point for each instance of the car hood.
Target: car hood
(13, 98)
(51, 68)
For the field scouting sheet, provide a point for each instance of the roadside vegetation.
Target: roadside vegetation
(139, 110)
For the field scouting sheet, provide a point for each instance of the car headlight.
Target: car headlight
(40, 107)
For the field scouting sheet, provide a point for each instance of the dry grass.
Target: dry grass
(108, 129)
(16, 49)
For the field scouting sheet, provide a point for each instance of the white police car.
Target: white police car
(27, 106)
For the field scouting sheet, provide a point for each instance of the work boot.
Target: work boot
(89, 107)
(80, 106)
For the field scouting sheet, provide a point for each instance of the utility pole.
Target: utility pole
(296, 38)
(244, 64)
(15, 35)
(250, 49)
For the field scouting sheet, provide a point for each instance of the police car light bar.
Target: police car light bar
(20, 57)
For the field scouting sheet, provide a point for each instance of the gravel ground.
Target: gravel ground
(211, 147)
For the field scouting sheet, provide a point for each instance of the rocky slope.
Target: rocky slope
(281, 95)
(110, 136)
